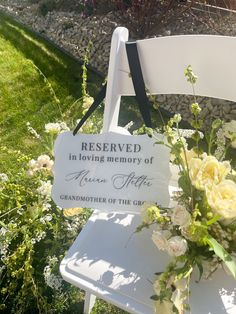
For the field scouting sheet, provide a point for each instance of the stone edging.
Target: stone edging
(72, 32)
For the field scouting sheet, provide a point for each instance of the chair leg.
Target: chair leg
(89, 302)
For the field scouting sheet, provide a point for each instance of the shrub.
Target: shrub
(144, 17)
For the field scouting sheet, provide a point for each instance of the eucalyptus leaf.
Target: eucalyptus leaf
(200, 268)
(184, 185)
(223, 254)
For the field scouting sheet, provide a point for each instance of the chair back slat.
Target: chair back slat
(163, 61)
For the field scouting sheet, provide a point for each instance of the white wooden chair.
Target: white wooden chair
(104, 260)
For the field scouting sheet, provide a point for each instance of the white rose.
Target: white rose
(177, 246)
(160, 239)
(180, 216)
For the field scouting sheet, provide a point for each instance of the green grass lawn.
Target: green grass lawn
(31, 70)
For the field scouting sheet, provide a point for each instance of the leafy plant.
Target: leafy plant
(199, 231)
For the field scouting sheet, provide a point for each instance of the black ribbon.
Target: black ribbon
(139, 88)
(138, 82)
(99, 98)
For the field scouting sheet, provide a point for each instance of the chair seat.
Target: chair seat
(120, 268)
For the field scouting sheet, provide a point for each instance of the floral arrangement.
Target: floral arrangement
(35, 233)
(199, 231)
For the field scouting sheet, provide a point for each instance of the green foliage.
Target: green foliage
(38, 84)
(200, 230)
(223, 254)
(34, 236)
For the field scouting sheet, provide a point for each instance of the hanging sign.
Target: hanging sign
(110, 171)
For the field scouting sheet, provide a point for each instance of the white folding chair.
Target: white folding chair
(105, 260)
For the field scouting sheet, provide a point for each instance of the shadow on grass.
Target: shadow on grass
(54, 64)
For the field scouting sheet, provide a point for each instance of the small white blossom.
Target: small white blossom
(180, 216)
(220, 142)
(42, 163)
(45, 219)
(46, 207)
(3, 177)
(52, 280)
(177, 246)
(40, 236)
(32, 131)
(56, 128)
(52, 128)
(160, 239)
(45, 188)
(187, 133)
(3, 231)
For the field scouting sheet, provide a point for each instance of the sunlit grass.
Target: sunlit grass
(38, 84)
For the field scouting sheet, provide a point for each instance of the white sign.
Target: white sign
(110, 171)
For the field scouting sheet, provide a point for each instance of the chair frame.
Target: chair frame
(173, 53)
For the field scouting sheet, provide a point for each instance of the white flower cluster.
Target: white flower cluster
(46, 207)
(42, 163)
(176, 245)
(187, 133)
(39, 236)
(3, 177)
(45, 189)
(45, 219)
(220, 142)
(32, 131)
(56, 128)
(52, 280)
(4, 243)
(73, 226)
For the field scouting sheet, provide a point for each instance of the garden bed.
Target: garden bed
(72, 31)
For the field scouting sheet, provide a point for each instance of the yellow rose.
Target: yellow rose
(222, 199)
(69, 212)
(188, 155)
(207, 171)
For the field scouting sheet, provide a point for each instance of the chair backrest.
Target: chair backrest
(163, 61)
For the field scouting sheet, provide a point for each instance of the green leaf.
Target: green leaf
(184, 185)
(160, 143)
(155, 297)
(200, 268)
(223, 254)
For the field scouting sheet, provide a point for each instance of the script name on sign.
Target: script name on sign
(110, 171)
